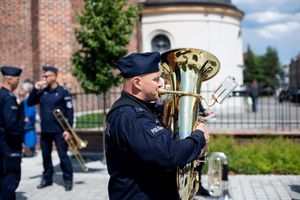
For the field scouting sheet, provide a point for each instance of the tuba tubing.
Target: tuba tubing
(184, 70)
(74, 142)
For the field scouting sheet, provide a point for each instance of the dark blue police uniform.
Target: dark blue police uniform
(11, 128)
(142, 156)
(50, 99)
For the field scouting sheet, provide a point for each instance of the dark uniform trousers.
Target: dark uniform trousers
(62, 148)
(10, 175)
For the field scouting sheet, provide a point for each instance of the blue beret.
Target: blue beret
(50, 69)
(138, 63)
(10, 71)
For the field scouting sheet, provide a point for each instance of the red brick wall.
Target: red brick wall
(56, 36)
(134, 44)
(15, 35)
(35, 42)
(41, 32)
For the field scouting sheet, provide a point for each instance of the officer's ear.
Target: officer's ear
(9, 79)
(136, 82)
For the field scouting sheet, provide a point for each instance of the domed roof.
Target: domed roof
(226, 3)
(230, 9)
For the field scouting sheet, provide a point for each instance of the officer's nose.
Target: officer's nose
(160, 84)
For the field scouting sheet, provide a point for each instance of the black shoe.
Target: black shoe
(202, 191)
(44, 184)
(68, 186)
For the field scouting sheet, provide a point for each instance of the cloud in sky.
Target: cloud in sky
(280, 30)
(259, 5)
(271, 17)
(271, 23)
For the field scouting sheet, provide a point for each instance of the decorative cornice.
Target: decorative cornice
(225, 11)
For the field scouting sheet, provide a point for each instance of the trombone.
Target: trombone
(74, 142)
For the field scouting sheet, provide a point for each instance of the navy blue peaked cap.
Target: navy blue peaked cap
(50, 69)
(11, 71)
(138, 63)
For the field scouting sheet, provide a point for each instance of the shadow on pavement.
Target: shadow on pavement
(295, 188)
(93, 162)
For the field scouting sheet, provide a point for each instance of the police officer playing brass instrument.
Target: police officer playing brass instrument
(50, 95)
(11, 128)
(142, 156)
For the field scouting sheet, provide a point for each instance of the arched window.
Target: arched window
(160, 43)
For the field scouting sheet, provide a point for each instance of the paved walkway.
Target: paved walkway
(93, 184)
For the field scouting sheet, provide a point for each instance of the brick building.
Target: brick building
(34, 33)
(41, 32)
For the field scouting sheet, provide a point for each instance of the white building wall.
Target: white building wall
(219, 35)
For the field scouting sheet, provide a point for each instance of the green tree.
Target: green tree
(105, 29)
(270, 68)
(262, 68)
(252, 70)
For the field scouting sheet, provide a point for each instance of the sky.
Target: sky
(274, 23)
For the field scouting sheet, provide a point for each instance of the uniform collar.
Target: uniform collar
(3, 88)
(147, 106)
(48, 89)
(8, 91)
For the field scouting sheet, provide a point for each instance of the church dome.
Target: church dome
(223, 3)
(222, 7)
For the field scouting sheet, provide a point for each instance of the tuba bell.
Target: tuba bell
(74, 142)
(184, 70)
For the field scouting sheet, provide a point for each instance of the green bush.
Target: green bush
(90, 120)
(274, 155)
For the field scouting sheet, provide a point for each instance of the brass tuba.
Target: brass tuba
(74, 142)
(184, 70)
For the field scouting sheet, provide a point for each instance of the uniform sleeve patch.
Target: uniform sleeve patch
(140, 112)
(67, 98)
(69, 104)
(156, 129)
(14, 107)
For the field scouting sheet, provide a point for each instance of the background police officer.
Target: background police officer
(11, 128)
(50, 95)
(141, 154)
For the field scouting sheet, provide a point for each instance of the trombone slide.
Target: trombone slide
(74, 142)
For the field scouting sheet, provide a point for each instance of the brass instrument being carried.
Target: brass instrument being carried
(74, 142)
(185, 70)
